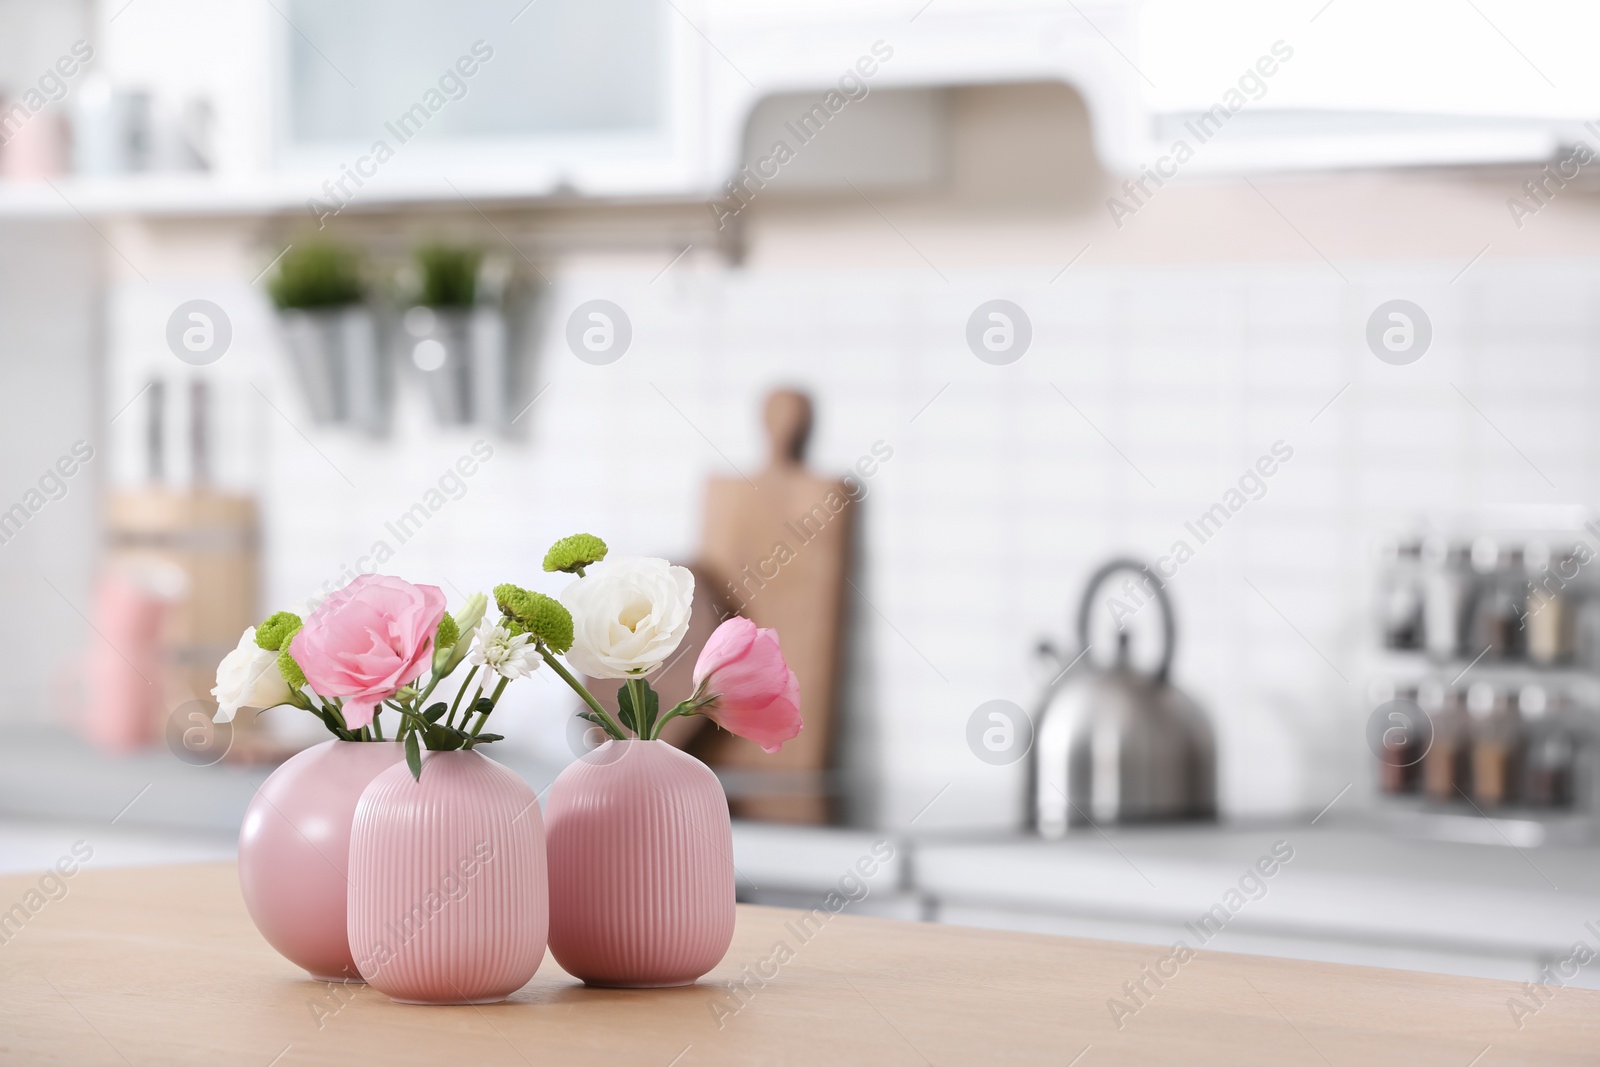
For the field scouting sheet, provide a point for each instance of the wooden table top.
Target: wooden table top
(160, 965)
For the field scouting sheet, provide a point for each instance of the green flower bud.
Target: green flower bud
(444, 641)
(292, 674)
(274, 634)
(471, 613)
(572, 554)
(534, 613)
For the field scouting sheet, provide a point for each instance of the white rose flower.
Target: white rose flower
(248, 677)
(628, 615)
(507, 656)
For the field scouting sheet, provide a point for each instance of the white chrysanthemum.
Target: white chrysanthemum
(495, 648)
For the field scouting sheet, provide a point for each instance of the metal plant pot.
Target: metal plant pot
(343, 372)
(462, 358)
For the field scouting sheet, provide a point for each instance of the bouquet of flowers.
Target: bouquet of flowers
(384, 644)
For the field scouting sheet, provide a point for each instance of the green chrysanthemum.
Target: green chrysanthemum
(536, 614)
(274, 634)
(449, 633)
(572, 554)
(290, 670)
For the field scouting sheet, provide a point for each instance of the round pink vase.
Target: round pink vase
(294, 850)
(641, 867)
(449, 902)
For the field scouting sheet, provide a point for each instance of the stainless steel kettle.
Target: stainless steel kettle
(1112, 744)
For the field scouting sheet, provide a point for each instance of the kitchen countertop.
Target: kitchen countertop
(1348, 892)
(1354, 890)
(160, 965)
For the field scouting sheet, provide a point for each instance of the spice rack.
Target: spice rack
(1484, 688)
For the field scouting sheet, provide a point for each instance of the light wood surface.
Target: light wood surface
(160, 965)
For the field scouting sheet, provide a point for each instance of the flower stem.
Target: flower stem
(691, 706)
(606, 720)
(494, 698)
(422, 697)
(636, 690)
(681, 709)
(337, 715)
(450, 719)
(415, 721)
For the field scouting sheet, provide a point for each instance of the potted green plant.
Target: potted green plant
(319, 291)
(454, 340)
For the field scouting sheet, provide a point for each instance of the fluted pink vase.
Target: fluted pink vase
(449, 902)
(294, 850)
(641, 867)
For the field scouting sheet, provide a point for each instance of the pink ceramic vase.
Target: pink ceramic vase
(641, 867)
(449, 902)
(294, 849)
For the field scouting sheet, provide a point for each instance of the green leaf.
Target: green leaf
(590, 716)
(484, 739)
(640, 716)
(443, 738)
(625, 707)
(435, 712)
(414, 756)
(484, 706)
(333, 724)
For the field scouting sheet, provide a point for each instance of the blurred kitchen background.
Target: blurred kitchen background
(1179, 322)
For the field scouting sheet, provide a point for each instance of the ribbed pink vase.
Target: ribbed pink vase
(294, 848)
(641, 867)
(449, 902)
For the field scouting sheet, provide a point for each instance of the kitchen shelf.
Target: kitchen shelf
(201, 195)
(1401, 665)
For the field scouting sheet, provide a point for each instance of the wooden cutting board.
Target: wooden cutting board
(777, 548)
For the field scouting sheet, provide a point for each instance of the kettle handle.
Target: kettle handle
(1168, 627)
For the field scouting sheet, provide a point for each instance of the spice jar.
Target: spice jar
(1401, 595)
(1446, 583)
(1447, 767)
(1551, 750)
(1496, 745)
(1499, 600)
(1399, 740)
(1548, 624)
(1586, 630)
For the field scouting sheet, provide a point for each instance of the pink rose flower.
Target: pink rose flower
(367, 640)
(757, 695)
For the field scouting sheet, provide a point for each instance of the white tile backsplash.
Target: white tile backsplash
(1000, 497)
